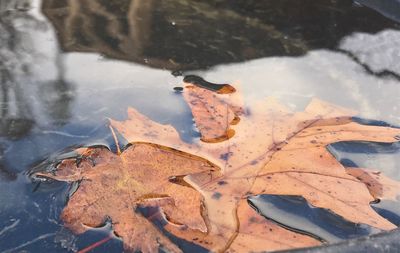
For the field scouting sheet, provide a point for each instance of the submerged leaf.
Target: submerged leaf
(271, 150)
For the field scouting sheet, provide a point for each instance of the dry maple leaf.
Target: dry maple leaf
(272, 151)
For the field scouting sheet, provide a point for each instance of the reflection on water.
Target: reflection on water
(33, 89)
(66, 69)
(332, 76)
(390, 9)
(379, 52)
(294, 212)
(181, 34)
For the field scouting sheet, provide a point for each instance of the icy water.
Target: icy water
(65, 66)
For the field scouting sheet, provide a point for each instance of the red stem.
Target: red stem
(95, 245)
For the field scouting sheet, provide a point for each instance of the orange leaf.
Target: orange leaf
(273, 151)
(201, 187)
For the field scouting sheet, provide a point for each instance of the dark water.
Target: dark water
(67, 65)
(295, 213)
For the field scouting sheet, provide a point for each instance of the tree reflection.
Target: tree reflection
(182, 35)
(24, 97)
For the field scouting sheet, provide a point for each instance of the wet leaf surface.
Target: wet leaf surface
(115, 186)
(202, 188)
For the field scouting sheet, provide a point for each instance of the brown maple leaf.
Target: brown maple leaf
(115, 186)
(270, 151)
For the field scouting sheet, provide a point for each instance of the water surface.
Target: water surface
(67, 65)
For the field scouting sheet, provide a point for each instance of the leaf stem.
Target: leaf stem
(95, 245)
